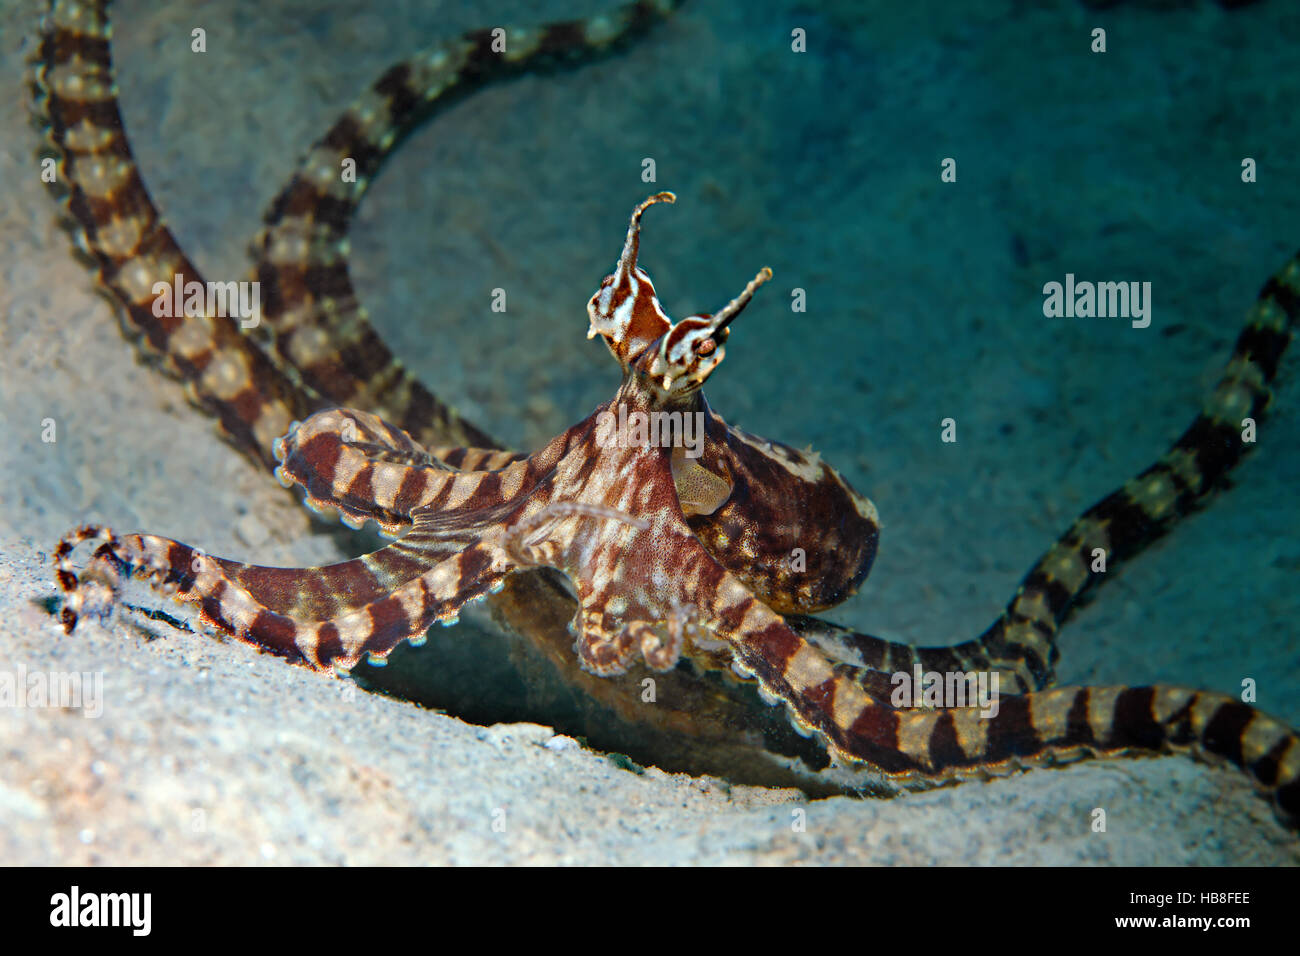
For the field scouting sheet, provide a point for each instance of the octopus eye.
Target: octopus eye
(705, 347)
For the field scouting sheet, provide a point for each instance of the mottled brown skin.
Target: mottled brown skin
(667, 557)
(811, 544)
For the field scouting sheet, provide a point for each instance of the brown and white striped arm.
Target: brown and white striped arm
(931, 746)
(366, 469)
(325, 617)
(252, 397)
(1021, 643)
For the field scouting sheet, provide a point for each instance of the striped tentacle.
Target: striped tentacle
(362, 467)
(1063, 724)
(1021, 643)
(322, 616)
(310, 305)
(336, 615)
(877, 660)
(252, 398)
(931, 746)
(475, 459)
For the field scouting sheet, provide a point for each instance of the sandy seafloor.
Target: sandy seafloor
(924, 302)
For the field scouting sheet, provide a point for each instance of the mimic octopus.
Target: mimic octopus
(713, 561)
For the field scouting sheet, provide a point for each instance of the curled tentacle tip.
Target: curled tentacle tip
(450, 621)
(665, 196)
(283, 477)
(418, 640)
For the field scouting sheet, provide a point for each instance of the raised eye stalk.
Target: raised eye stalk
(632, 245)
(732, 309)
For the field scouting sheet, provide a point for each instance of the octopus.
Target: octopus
(624, 546)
